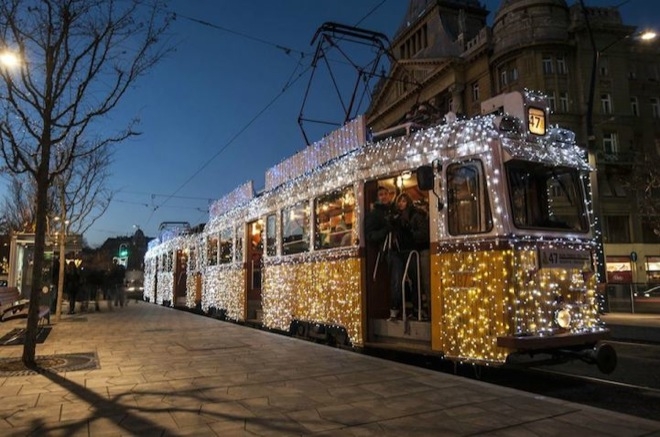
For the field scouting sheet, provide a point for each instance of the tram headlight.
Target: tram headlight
(563, 317)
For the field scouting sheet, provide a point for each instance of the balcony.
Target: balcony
(615, 158)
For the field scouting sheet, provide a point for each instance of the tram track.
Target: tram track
(622, 397)
(550, 381)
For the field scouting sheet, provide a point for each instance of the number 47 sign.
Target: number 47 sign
(536, 121)
(564, 258)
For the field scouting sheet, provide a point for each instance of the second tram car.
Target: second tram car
(509, 266)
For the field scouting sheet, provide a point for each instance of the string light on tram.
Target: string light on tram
(298, 285)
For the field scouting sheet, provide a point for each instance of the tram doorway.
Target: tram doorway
(255, 249)
(181, 278)
(378, 273)
(390, 252)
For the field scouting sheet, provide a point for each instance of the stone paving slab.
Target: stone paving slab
(164, 372)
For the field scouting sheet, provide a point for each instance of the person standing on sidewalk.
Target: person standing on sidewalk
(72, 284)
(117, 276)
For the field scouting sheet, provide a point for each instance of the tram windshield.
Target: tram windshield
(544, 197)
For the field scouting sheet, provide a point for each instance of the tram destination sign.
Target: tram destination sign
(565, 258)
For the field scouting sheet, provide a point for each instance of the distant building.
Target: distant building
(450, 60)
(128, 250)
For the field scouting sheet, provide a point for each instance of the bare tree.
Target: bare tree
(79, 57)
(644, 182)
(19, 204)
(81, 197)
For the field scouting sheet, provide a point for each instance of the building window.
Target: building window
(561, 65)
(606, 103)
(617, 229)
(503, 78)
(514, 74)
(634, 106)
(655, 107)
(653, 269)
(618, 269)
(475, 92)
(563, 101)
(551, 101)
(547, 65)
(610, 143)
(603, 66)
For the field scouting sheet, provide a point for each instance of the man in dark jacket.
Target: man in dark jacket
(72, 284)
(379, 224)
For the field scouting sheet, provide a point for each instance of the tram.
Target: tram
(510, 265)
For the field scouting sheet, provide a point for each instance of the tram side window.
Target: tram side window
(192, 262)
(295, 232)
(225, 246)
(271, 235)
(212, 250)
(169, 261)
(238, 250)
(335, 217)
(468, 210)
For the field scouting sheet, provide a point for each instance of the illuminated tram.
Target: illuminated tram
(512, 256)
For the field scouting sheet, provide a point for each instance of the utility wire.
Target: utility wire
(288, 84)
(285, 49)
(231, 140)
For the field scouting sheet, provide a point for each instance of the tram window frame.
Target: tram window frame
(468, 205)
(334, 222)
(192, 259)
(225, 246)
(212, 246)
(535, 197)
(291, 244)
(271, 235)
(238, 243)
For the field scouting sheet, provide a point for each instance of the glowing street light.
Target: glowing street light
(9, 59)
(647, 35)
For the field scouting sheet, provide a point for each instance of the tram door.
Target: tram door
(180, 278)
(255, 249)
(377, 273)
(198, 290)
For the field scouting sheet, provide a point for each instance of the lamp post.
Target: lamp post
(61, 240)
(591, 142)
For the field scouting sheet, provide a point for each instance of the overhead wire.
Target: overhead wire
(291, 81)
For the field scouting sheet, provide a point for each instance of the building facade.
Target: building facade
(448, 59)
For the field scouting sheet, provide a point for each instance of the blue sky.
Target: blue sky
(221, 110)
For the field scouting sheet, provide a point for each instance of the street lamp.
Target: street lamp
(591, 139)
(9, 58)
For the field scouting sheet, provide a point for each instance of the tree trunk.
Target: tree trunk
(29, 348)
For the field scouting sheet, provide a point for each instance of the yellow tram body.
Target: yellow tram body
(499, 283)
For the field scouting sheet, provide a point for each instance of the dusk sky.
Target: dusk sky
(224, 107)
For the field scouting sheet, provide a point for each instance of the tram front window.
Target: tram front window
(544, 197)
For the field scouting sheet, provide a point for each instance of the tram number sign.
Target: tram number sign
(565, 258)
(536, 121)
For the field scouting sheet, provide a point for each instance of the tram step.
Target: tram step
(410, 330)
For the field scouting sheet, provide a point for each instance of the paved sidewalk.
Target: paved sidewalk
(168, 372)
